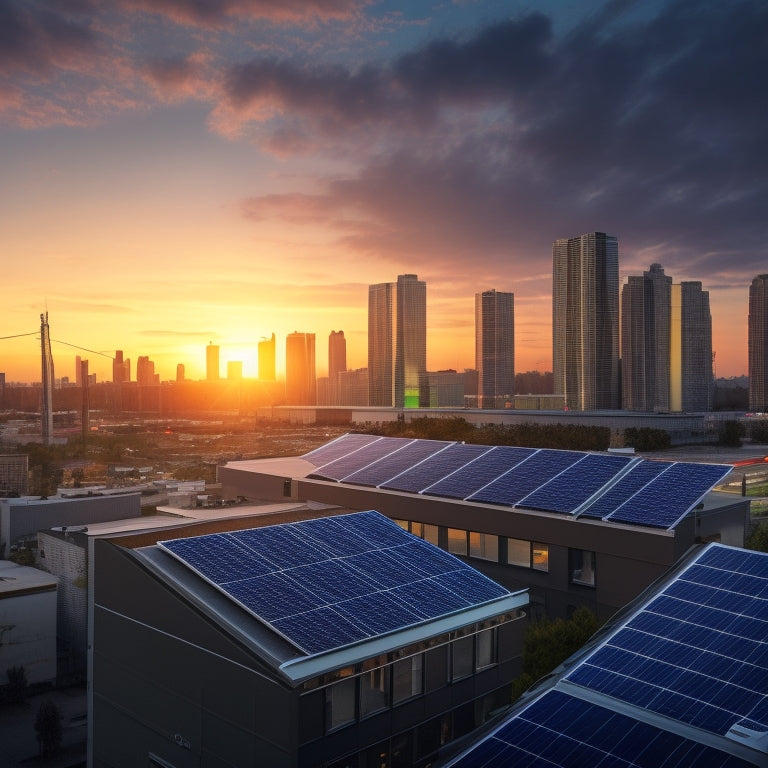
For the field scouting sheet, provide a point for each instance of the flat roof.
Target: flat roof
(16, 578)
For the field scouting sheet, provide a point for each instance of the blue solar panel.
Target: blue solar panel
(397, 462)
(697, 652)
(436, 467)
(572, 487)
(561, 730)
(337, 448)
(635, 479)
(329, 582)
(479, 472)
(667, 498)
(526, 476)
(362, 457)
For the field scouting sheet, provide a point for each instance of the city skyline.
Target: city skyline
(179, 173)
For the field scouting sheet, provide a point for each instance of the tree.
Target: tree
(730, 434)
(48, 728)
(758, 539)
(16, 690)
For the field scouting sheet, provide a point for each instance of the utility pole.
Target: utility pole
(46, 411)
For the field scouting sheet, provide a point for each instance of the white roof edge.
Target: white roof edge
(307, 667)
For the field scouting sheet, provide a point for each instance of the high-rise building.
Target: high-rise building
(145, 371)
(585, 321)
(121, 368)
(645, 339)
(267, 359)
(397, 343)
(212, 362)
(300, 382)
(337, 363)
(758, 344)
(495, 347)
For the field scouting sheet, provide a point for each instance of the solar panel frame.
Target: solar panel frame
(356, 460)
(341, 446)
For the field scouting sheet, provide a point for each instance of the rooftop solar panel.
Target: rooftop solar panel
(526, 476)
(337, 448)
(362, 457)
(696, 653)
(437, 467)
(479, 472)
(572, 487)
(671, 495)
(326, 583)
(397, 462)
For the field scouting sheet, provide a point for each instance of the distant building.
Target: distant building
(180, 372)
(300, 383)
(446, 389)
(585, 321)
(337, 363)
(145, 372)
(692, 383)
(121, 368)
(495, 347)
(352, 388)
(14, 474)
(267, 359)
(212, 372)
(397, 343)
(758, 344)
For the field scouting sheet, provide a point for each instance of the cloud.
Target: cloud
(181, 77)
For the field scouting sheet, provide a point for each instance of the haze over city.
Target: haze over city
(176, 173)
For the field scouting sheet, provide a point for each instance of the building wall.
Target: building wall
(758, 344)
(495, 347)
(14, 474)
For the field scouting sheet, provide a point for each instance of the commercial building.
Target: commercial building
(677, 679)
(14, 474)
(300, 382)
(573, 528)
(212, 370)
(495, 348)
(333, 641)
(692, 388)
(758, 344)
(397, 343)
(585, 321)
(337, 364)
(267, 359)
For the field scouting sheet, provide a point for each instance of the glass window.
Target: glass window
(582, 566)
(374, 688)
(417, 529)
(461, 657)
(540, 559)
(407, 678)
(519, 552)
(486, 648)
(484, 545)
(431, 534)
(340, 704)
(402, 523)
(457, 541)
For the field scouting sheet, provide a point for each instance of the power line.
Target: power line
(19, 335)
(84, 349)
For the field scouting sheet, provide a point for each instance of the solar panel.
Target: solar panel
(479, 472)
(435, 468)
(362, 457)
(526, 476)
(671, 495)
(697, 652)
(326, 583)
(397, 462)
(562, 730)
(337, 448)
(572, 487)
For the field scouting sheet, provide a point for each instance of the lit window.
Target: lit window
(540, 559)
(407, 679)
(457, 541)
(484, 546)
(431, 534)
(340, 704)
(519, 552)
(582, 566)
(402, 523)
(417, 529)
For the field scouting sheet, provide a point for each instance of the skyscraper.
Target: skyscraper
(337, 363)
(300, 382)
(397, 343)
(758, 344)
(121, 368)
(212, 362)
(585, 321)
(267, 359)
(645, 339)
(495, 347)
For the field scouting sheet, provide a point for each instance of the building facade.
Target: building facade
(585, 321)
(397, 343)
(691, 389)
(758, 344)
(495, 348)
(267, 359)
(300, 381)
(212, 362)
(337, 364)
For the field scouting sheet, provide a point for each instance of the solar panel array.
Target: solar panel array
(621, 489)
(692, 660)
(698, 651)
(326, 583)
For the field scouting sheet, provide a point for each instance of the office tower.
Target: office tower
(121, 368)
(645, 340)
(397, 343)
(337, 363)
(180, 372)
(585, 321)
(235, 370)
(212, 362)
(78, 372)
(300, 384)
(758, 344)
(145, 371)
(495, 347)
(267, 359)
